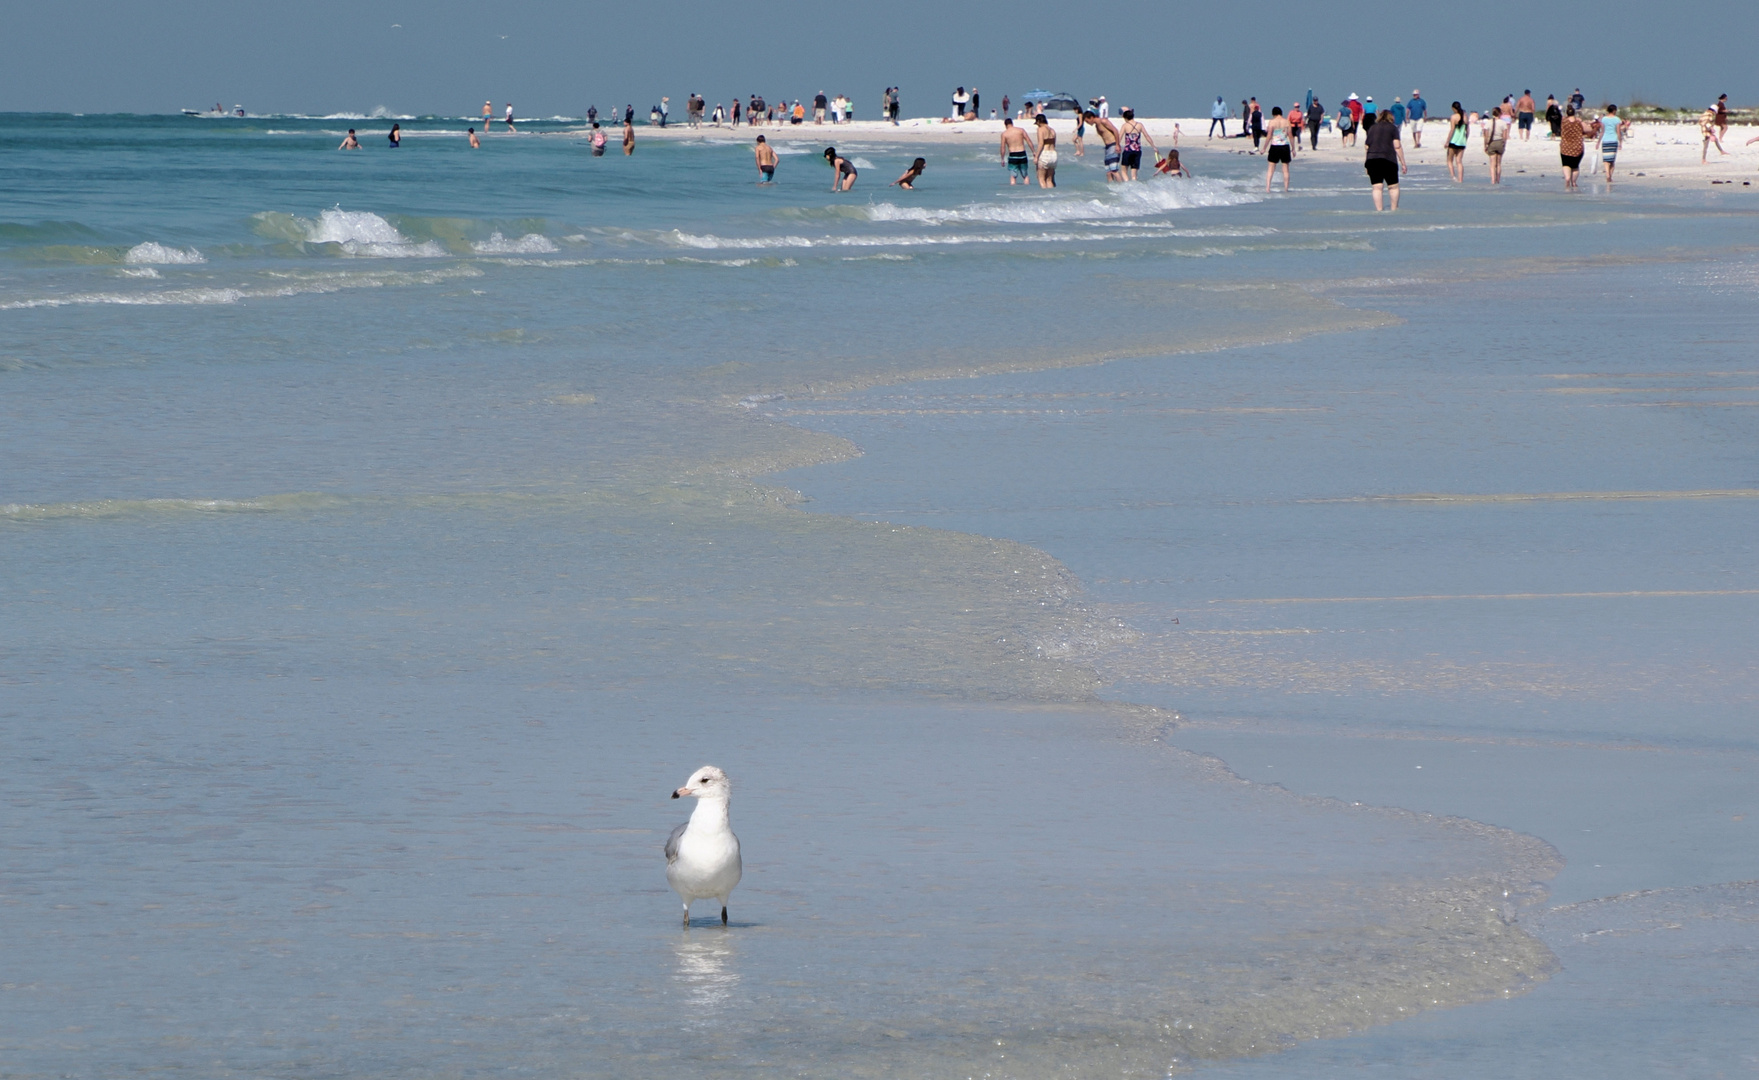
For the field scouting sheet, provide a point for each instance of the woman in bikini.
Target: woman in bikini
(1279, 151)
(908, 180)
(842, 173)
(1047, 153)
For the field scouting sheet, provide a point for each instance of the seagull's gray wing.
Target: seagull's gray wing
(672, 843)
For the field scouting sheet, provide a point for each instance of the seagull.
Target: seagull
(702, 855)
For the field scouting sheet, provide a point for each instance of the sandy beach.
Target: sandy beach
(1655, 153)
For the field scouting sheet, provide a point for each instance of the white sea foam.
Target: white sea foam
(296, 285)
(362, 233)
(1125, 201)
(156, 254)
(694, 240)
(139, 272)
(529, 244)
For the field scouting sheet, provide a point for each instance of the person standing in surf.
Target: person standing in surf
(509, 117)
(1017, 151)
(766, 160)
(350, 142)
(1131, 133)
(1108, 135)
(1278, 152)
(628, 136)
(1047, 153)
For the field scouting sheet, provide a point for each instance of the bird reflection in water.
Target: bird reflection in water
(706, 971)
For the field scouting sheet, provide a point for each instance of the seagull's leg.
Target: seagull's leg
(723, 914)
(686, 914)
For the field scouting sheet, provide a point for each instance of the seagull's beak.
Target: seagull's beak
(681, 792)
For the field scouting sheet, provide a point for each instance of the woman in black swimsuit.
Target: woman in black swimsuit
(396, 135)
(842, 173)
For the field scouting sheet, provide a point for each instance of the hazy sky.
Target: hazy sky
(550, 57)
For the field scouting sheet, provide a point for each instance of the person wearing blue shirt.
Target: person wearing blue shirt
(1218, 114)
(1415, 112)
(1398, 111)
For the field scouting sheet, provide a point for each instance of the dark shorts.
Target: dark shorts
(1382, 171)
(1130, 159)
(1278, 155)
(769, 172)
(1526, 121)
(1571, 161)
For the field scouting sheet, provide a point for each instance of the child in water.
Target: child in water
(908, 180)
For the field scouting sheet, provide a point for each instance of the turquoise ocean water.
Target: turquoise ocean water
(1148, 629)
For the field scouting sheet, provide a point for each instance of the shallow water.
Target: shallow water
(387, 534)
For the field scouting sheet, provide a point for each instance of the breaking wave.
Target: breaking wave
(358, 233)
(529, 244)
(156, 254)
(1127, 201)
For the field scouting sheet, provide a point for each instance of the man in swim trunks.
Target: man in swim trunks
(350, 143)
(1108, 134)
(1524, 110)
(766, 161)
(488, 116)
(1017, 151)
(1132, 134)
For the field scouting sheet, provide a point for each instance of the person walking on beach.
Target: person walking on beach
(1297, 118)
(1707, 128)
(1386, 159)
(1458, 131)
(1255, 122)
(908, 180)
(1554, 116)
(1277, 153)
(1346, 124)
(1612, 137)
(1570, 144)
(842, 172)
(1496, 140)
(1721, 115)
(1218, 114)
(819, 104)
(665, 110)
(1315, 116)
(1017, 151)
(508, 119)
(1108, 135)
(1524, 110)
(766, 161)
(960, 100)
(475, 143)
(488, 116)
(1416, 112)
(628, 136)
(349, 142)
(976, 104)
(1047, 153)
(1132, 133)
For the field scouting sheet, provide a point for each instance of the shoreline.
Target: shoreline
(1655, 154)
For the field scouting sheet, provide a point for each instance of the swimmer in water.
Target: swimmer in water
(766, 161)
(842, 172)
(908, 180)
(350, 143)
(396, 136)
(475, 143)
